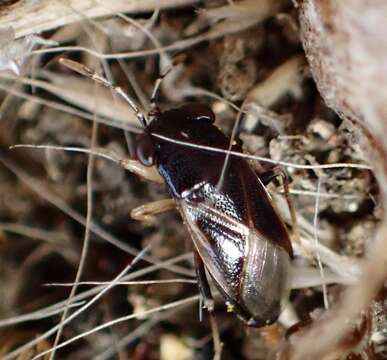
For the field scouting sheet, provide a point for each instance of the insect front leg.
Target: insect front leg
(145, 213)
(146, 172)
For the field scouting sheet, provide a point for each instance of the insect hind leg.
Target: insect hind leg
(205, 292)
(204, 287)
(273, 174)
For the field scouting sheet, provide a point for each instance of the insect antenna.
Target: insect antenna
(156, 88)
(84, 70)
(133, 166)
(176, 60)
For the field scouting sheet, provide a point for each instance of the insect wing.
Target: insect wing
(250, 270)
(220, 241)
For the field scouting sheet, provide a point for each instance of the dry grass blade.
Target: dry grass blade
(86, 239)
(217, 30)
(140, 331)
(263, 159)
(54, 199)
(120, 123)
(54, 329)
(81, 93)
(316, 241)
(174, 304)
(47, 15)
(78, 299)
(145, 282)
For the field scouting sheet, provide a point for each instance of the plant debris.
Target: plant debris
(245, 61)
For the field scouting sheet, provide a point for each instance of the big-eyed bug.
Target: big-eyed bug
(238, 236)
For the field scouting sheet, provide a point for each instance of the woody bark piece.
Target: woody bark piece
(33, 17)
(346, 49)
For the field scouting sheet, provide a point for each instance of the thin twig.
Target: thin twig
(263, 159)
(318, 256)
(171, 305)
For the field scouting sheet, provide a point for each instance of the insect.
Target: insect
(238, 236)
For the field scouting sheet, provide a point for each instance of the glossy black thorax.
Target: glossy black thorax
(184, 166)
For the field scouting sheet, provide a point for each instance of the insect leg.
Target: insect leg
(149, 173)
(205, 291)
(273, 173)
(270, 175)
(146, 212)
(204, 287)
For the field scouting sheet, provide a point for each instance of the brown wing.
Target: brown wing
(250, 203)
(262, 214)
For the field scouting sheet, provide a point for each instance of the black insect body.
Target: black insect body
(238, 236)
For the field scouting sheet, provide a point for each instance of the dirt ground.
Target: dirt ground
(62, 210)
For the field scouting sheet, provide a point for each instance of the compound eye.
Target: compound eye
(145, 150)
